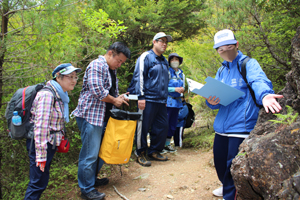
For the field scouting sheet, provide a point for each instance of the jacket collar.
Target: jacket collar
(173, 71)
(156, 56)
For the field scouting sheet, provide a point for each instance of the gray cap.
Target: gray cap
(161, 35)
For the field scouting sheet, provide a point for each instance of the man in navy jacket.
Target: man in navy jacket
(235, 121)
(150, 83)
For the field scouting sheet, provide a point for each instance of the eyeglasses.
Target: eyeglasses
(225, 48)
(162, 41)
(72, 77)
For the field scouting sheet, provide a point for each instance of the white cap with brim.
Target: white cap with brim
(224, 37)
(161, 35)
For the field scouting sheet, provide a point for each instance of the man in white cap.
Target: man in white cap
(150, 82)
(235, 121)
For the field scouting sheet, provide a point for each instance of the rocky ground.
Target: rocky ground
(187, 175)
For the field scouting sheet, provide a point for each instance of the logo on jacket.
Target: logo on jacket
(240, 82)
(233, 82)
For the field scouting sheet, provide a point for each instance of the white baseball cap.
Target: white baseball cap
(161, 35)
(224, 37)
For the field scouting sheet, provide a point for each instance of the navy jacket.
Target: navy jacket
(150, 78)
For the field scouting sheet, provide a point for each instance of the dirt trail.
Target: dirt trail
(187, 175)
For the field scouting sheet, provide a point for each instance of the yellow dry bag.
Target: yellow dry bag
(118, 138)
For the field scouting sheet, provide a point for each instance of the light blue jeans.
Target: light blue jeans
(91, 137)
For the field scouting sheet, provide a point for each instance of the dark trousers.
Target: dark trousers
(38, 179)
(172, 119)
(225, 149)
(155, 117)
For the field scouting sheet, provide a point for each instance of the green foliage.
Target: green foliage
(47, 33)
(242, 154)
(288, 118)
(200, 59)
(181, 19)
(263, 28)
(199, 138)
(99, 21)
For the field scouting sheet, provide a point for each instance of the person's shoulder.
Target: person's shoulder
(145, 54)
(250, 62)
(97, 63)
(100, 59)
(45, 94)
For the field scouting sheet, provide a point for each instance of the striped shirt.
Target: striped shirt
(46, 118)
(96, 86)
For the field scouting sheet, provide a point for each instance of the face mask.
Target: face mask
(229, 55)
(175, 64)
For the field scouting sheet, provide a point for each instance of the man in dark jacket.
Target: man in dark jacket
(150, 83)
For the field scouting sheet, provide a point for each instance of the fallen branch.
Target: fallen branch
(122, 196)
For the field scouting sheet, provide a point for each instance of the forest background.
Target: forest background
(36, 36)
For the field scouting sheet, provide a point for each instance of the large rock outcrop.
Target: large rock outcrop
(268, 163)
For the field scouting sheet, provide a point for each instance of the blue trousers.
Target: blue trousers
(38, 179)
(225, 149)
(172, 119)
(89, 162)
(155, 117)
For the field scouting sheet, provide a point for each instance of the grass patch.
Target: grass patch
(201, 138)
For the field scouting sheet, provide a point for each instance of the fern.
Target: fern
(289, 118)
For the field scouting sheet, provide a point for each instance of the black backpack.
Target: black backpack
(191, 116)
(22, 101)
(243, 72)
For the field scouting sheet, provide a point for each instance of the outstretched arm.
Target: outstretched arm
(270, 103)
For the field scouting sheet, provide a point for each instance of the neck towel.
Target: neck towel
(64, 97)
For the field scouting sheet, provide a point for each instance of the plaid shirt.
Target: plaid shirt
(46, 118)
(96, 85)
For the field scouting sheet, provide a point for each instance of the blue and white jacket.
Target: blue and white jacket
(239, 118)
(175, 80)
(150, 78)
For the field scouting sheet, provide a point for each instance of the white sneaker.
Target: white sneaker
(163, 151)
(218, 192)
(170, 149)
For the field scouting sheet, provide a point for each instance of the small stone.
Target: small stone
(183, 187)
(142, 189)
(143, 176)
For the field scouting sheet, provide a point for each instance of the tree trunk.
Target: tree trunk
(4, 26)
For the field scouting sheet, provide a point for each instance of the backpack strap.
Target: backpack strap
(55, 99)
(54, 94)
(243, 72)
(23, 100)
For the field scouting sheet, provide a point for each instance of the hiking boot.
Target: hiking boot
(94, 194)
(170, 149)
(101, 182)
(143, 160)
(157, 156)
